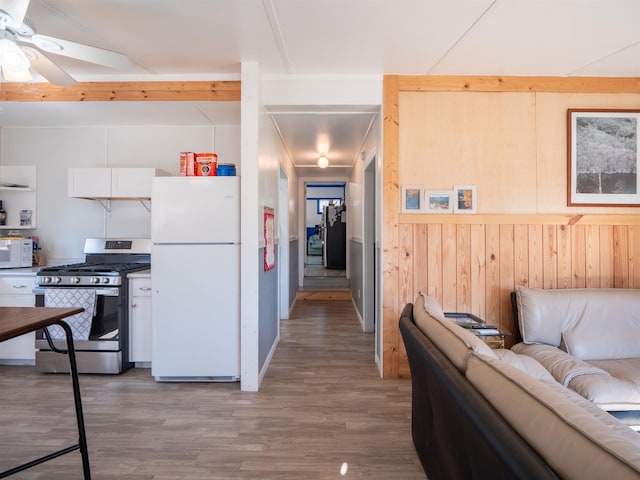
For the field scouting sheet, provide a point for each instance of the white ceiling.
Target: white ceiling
(207, 39)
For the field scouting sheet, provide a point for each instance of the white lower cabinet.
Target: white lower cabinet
(17, 291)
(140, 320)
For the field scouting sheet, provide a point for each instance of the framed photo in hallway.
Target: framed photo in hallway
(602, 157)
(412, 196)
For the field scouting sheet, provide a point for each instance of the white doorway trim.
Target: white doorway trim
(283, 247)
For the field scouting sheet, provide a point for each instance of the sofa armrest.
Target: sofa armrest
(563, 366)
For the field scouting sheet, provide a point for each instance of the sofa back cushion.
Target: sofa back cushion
(451, 339)
(589, 323)
(575, 437)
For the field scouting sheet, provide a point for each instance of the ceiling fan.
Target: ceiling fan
(21, 48)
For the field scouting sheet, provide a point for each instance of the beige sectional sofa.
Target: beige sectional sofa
(588, 339)
(573, 436)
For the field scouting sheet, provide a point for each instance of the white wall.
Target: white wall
(63, 223)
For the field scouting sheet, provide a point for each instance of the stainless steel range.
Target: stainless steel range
(100, 285)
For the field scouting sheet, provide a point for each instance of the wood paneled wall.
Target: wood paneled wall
(472, 262)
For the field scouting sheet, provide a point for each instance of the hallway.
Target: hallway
(320, 405)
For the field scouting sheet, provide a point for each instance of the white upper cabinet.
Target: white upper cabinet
(90, 182)
(119, 183)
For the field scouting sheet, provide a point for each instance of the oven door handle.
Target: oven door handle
(105, 292)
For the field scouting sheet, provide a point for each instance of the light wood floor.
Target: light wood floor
(321, 404)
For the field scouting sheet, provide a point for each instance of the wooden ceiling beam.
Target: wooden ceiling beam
(468, 83)
(121, 91)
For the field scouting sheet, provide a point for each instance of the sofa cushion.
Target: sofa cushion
(611, 384)
(452, 340)
(560, 364)
(524, 363)
(432, 306)
(619, 391)
(576, 438)
(590, 323)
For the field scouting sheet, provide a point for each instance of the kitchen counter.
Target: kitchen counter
(141, 274)
(14, 272)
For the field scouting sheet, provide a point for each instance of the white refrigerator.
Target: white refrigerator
(195, 278)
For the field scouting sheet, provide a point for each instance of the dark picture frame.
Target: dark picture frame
(602, 158)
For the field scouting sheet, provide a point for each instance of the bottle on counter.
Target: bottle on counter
(3, 215)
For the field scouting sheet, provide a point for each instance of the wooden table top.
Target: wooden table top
(15, 321)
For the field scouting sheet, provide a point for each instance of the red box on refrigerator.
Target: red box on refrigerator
(187, 164)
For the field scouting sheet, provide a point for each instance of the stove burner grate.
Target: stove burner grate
(94, 268)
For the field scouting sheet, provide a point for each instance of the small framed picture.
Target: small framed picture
(412, 196)
(438, 201)
(464, 199)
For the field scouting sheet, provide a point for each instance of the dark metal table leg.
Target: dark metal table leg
(82, 440)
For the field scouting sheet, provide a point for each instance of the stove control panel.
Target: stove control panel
(78, 281)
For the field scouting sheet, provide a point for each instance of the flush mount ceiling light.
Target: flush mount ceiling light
(323, 162)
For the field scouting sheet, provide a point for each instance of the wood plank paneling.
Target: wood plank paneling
(606, 256)
(536, 261)
(492, 258)
(620, 257)
(478, 270)
(421, 260)
(463, 268)
(521, 254)
(578, 260)
(592, 251)
(634, 257)
(476, 267)
(434, 268)
(449, 269)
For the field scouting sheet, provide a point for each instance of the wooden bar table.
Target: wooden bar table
(16, 321)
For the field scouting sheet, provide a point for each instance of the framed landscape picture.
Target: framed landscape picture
(464, 199)
(602, 157)
(438, 201)
(412, 196)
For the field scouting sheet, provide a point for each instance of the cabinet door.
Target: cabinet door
(140, 320)
(89, 182)
(132, 182)
(16, 292)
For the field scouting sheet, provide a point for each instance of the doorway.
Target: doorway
(325, 246)
(369, 248)
(283, 246)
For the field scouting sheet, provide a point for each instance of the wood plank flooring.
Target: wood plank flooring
(320, 405)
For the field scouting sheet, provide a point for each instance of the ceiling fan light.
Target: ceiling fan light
(12, 59)
(323, 162)
(24, 76)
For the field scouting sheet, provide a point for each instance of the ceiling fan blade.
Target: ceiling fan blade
(80, 51)
(17, 9)
(49, 70)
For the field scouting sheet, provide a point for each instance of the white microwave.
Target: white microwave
(16, 252)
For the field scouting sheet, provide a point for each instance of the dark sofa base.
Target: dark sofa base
(456, 432)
